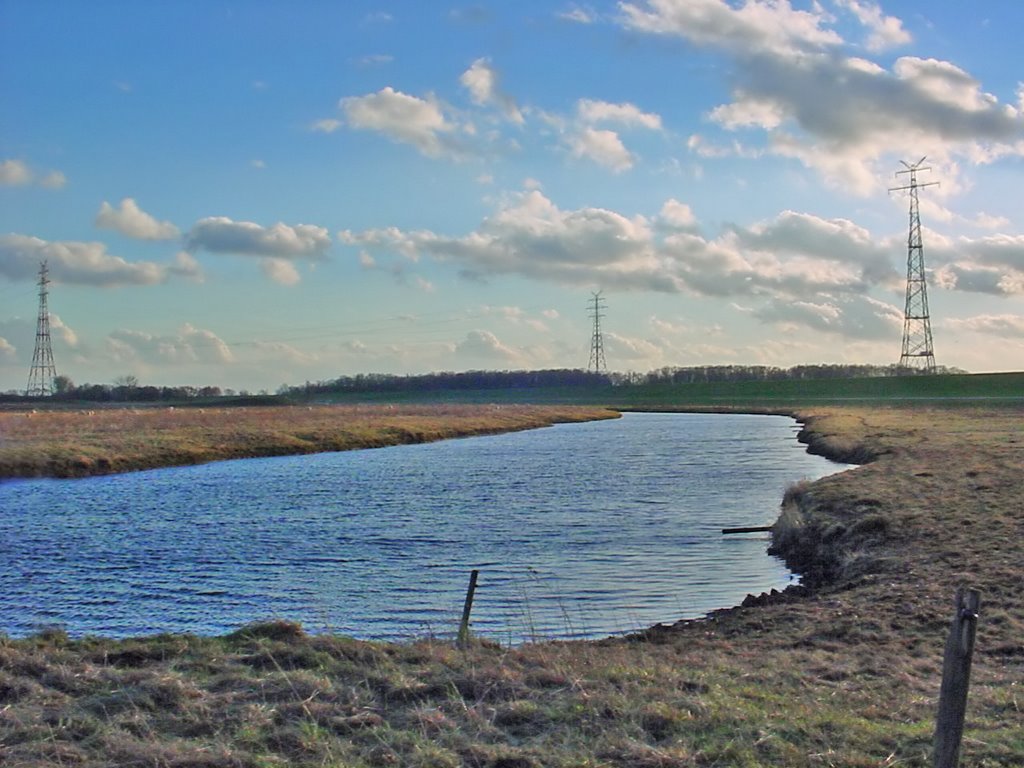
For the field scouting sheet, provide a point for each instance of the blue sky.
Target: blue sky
(248, 194)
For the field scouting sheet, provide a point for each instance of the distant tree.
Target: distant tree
(128, 381)
(63, 385)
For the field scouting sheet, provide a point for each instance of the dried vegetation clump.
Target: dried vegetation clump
(845, 674)
(61, 443)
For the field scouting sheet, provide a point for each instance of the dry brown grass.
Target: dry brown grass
(62, 443)
(846, 675)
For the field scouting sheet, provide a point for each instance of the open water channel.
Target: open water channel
(579, 530)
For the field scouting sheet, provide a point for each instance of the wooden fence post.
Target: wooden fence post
(463, 639)
(956, 676)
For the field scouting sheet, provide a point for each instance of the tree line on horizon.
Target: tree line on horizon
(128, 389)
(578, 378)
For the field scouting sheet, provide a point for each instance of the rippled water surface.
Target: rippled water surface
(579, 530)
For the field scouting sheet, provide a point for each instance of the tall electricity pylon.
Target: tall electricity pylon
(597, 362)
(918, 352)
(40, 378)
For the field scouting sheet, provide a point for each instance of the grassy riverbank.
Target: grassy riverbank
(847, 675)
(77, 443)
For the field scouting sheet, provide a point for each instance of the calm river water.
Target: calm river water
(579, 530)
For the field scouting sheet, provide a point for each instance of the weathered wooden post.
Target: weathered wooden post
(956, 675)
(463, 639)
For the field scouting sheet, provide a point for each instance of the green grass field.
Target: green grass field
(1003, 387)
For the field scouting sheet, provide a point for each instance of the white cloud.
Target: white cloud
(53, 180)
(278, 352)
(993, 264)
(681, 328)
(481, 80)
(188, 345)
(753, 26)
(1004, 326)
(603, 147)
(132, 221)
(62, 331)
(931, 210)
(16, 173)
(631, 348)
(844, 117)
(530, 236)
(792, 255)
(976, 278)
(591, 111)
(185, 265)
(281, 271)
(518, 316)
(804, 235)
(858, 317)
(82, 263)
(578, 15)
(885, 31)
(677, 215)
(219, 234)
(600, 145)
(699, 145)
(20, 333)
(485, 346)
(7, 350)
(943, 83)
(327, 125)
(748, 112)
(407, 119)
(986, 221)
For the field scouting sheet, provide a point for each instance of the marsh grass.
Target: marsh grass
(62, 443)
(845, 675)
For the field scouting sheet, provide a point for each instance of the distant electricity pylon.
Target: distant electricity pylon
(597, 362)
(40, 378)
(918, 352)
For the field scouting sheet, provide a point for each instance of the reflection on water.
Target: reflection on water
(579, 530)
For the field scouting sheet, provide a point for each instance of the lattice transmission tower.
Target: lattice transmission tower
(918, 352)
(597, 362)
(40, 378)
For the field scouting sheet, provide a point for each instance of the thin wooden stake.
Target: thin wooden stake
(463, 639)
(956, 676)
(749, 529)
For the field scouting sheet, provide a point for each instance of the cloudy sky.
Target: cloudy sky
(248, 194)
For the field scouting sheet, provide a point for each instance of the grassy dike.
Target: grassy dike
(843, 673)
(79, 443)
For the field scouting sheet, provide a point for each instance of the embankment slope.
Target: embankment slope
(79, 443)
